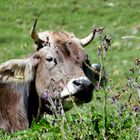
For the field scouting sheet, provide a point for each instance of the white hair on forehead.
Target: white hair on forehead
(43, 36)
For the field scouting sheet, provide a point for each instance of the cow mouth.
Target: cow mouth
(83, 96)
(80, 89)
(77, 91)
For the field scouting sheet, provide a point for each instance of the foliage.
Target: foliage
(114, 112)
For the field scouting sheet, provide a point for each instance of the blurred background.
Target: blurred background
(121, 20)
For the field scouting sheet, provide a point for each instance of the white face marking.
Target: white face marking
(72, 88)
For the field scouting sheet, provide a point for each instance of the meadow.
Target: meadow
(114, 112)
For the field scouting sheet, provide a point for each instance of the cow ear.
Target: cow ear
(18, 69)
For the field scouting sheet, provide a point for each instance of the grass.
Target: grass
(120, 18)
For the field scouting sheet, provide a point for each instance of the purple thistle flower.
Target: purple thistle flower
(45, 95)
(97, 86)
(113, 100)
(106, 42)
(136, 108)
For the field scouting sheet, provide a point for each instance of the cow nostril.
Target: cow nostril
(49, 59)
(77, 83)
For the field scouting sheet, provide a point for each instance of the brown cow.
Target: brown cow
(57, 70)
(68, 43)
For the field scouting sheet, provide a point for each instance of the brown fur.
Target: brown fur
(12, 111)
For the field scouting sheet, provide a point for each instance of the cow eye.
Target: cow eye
(49, 59)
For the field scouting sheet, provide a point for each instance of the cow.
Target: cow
(59, 69)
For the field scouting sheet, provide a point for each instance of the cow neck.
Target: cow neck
(22, 87)
(31, 96)
(25, 96)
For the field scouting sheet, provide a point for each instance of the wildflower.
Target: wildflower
(137, 62)
(99, 30)
(106, 42)
(113, 100)
(129, 81)
(132, 70)
(136, 108)
(109, 89)
(137, 86)
(45, 95)
(97, 86)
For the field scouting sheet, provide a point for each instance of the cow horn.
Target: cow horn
(85, 41)
(33, 33)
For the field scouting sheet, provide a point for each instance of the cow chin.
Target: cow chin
(79, 90)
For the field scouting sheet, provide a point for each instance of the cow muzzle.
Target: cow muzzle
(81, 88)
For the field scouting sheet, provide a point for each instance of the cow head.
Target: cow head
(57, 67)
(70, 59)
(60, 74)
(71, 73)
(56, 72)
